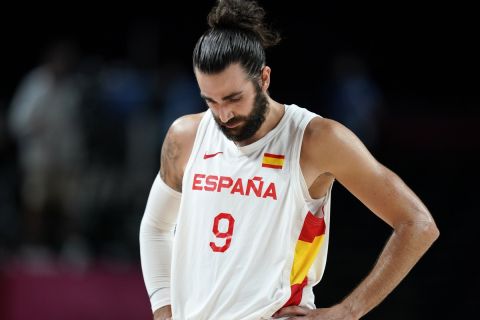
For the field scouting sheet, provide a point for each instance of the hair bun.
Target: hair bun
(246, 15)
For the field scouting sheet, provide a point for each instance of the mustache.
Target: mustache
(234, 121)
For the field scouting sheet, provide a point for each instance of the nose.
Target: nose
(225, 114)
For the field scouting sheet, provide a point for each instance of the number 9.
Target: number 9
(223, 235)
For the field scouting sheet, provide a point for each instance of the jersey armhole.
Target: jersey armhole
(297, 174)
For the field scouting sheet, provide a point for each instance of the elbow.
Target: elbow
(424, 232)
(433, 231)
(428, 231)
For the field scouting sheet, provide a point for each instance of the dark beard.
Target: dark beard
(252, 122)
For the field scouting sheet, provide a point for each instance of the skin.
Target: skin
(329, 151)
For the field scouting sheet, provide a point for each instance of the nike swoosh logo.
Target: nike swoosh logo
(207, 156)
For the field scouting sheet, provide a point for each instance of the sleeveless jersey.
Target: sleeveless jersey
(249, 239)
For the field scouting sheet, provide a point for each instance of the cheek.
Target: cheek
(246, 107)
(242, 108)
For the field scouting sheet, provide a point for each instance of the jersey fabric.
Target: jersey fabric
(249, 238)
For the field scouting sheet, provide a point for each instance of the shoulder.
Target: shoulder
(185, 128)
(328, 144)
(177, 148)
(182, 132)
(324, 132)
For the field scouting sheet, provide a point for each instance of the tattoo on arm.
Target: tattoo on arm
(170, 168)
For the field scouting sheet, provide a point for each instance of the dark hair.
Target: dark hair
(237, 34)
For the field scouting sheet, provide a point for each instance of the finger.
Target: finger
(290, 311)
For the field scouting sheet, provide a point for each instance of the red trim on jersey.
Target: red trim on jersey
(312, 227)
(296, 295)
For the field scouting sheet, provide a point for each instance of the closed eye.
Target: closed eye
(208, 101)
(234, 97)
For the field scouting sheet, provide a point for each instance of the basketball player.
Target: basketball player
(237, 221)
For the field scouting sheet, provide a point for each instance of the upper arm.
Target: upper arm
(336, 150)
(176, 149)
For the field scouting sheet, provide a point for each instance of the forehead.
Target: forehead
(233, 78)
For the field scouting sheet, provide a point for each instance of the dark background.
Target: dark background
(424, 62)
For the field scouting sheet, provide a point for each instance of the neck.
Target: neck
(275, 112)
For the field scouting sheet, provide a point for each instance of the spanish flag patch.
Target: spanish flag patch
(273, 161)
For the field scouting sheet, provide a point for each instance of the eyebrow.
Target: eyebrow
(227, 97)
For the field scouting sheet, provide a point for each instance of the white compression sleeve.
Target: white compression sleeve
(156, 236)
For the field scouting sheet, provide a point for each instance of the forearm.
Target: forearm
(155, 254)
(156, 238)
(407, 244)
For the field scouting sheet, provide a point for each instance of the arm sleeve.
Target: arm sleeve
(156, 237)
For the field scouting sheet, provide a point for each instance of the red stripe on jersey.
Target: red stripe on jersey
(312, 227)
(296, 295)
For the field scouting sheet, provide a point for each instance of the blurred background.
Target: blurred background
(87, 93)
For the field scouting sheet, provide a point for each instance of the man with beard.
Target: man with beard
(237, 221)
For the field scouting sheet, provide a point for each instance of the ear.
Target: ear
(266, 78)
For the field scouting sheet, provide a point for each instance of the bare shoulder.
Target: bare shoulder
(322, 136)
(328, 145)
(177, 147)
(185, 128)
(327, 130)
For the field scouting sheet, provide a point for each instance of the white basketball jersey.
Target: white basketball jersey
(249, 239)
